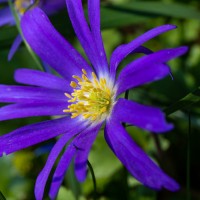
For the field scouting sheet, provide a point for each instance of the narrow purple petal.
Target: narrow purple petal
(32, 109)
(51, 46)
(28, 94)
(56, 150)
(78, 144)
(94, 18)
(61, 170)
(14, 47)
(33, 134)
(53, 6)
(83, 32)
(6, 17)
(42, 79)
(142, 49)
(122, 51)
(83, 143)
(135, 160)
(145, 117)
(147, 69)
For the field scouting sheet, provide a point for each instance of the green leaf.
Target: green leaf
(140, 11)
(184, 103)
(112, 17)
(65, 194)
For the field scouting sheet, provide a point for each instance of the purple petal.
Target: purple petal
(51, 46)
(94, 18)
(53, 6)
(61, 170)
(81, 28)
(33, 134)
(14, 47)
(6, 17)
(44, 174)
(122, 51)
(142, 49)
(83, 144)
(147, 69)
(27, 94)
(135, 160)
(145, 117)
(32, 109)
(42, 79)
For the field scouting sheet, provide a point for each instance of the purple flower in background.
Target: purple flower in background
(87, 96)
(7, 18)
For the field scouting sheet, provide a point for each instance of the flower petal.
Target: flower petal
(33, 134)
(28, 94)
(51, 46)
(78, 144)
(53, 6)
(122, 51)
(145, 117)
(42, 79)
(61, 170)
(146, 69)
(83, 144)
(142, 49)
(94, 18)
(44, 174)
(135, 160)
(6, 17)
(83, 32)
(29, 110)
(15, 46)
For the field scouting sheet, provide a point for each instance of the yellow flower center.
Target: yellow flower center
(91, 99)
(22, 5)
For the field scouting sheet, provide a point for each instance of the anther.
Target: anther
(83, 70)
(73, 84)
(68, 95)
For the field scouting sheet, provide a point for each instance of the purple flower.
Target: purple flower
(86, 94)
(6, 17)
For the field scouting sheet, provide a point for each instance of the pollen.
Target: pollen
(22, 5)
(92, 98)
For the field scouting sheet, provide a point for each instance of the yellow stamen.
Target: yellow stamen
(73, 84)
(68, 95)
(92, 98)
(22, 5)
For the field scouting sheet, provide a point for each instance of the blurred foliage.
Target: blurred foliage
(122, 21)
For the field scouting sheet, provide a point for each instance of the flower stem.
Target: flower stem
(73, 183)
(158, 145)
(125, 173)
(17, 21)
(93, 179)
(2, 196)
(188, 157)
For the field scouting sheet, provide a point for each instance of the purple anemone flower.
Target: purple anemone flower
(86, 95)
(7, 18)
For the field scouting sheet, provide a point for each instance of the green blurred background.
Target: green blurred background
(177, 152)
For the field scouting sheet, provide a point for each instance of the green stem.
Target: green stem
(2, 196)
(17, 21)
(72, 182)
(125, 173)
(93, 179)
(158, 145)
(188, 157)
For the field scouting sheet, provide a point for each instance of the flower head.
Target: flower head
(86, 95)
(21, 6)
